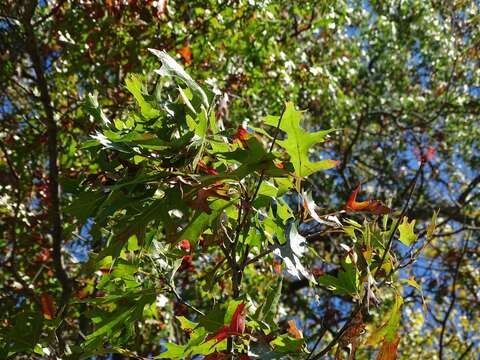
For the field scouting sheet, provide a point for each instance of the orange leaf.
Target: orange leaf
(293, 330)
(48, 306)
(241, 135)
(372, 206)
(428, 155)
(388, 350)
(186, 54)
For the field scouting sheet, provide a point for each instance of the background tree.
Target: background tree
(396, 77)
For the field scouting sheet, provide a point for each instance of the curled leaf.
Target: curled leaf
(202, 167)
(371, 206)
(291, 252)
(293, 330)
(309, 205)
(236, 326)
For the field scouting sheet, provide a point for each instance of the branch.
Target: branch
(54, 214)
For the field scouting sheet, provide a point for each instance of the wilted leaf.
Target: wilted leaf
(388, 350)
(310, 206)
(371, 206)
(48, 306)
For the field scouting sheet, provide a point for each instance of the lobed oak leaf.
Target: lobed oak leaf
(201, 203)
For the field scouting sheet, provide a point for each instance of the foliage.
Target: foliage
(182, 201)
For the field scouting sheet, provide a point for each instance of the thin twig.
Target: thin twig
(452, 303)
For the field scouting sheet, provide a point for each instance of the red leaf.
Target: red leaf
(372, 206)
(48, 306)
(205, 168)
(236, 326)
(223, 333)
(186, 264)
(184, 245)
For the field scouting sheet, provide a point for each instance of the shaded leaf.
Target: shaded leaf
(134, 85)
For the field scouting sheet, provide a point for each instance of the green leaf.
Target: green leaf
(390, 327)
(186, 324)
(407, 234)
(174, 351)
(347, 281)
(232, 306)
(286, 344)
(299, 142)
(134, 85)
(268, 309)
(93, 108)
(201, 221)
(86, 204)
(213, 320)
(432, 225)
